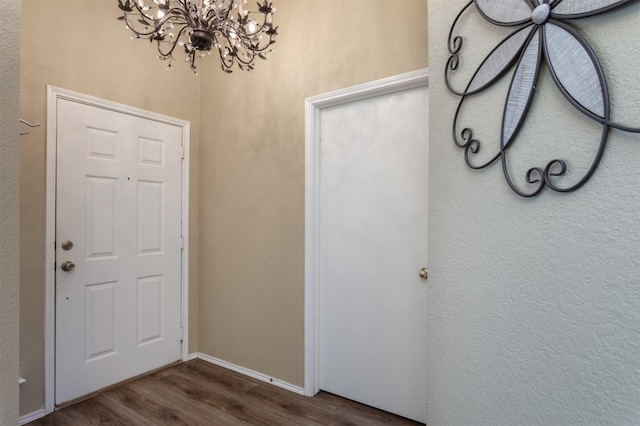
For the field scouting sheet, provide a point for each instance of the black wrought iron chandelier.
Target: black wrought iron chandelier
(201, 26)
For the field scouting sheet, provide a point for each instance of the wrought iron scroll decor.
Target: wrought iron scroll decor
(542, 32)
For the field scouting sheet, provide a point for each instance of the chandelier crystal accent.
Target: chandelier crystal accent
(201, 26)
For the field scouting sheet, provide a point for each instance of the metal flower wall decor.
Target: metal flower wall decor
(542, 33)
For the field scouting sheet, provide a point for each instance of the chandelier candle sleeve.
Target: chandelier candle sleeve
(201, 26)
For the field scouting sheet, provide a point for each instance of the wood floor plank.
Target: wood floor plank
(164, 408)
(228, 385)
(201, 405)
(197, 393)
(222, 390)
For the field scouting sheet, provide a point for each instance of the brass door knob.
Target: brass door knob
(67, 266)
(424, 273)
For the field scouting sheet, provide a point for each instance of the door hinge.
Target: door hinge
(182, 243)
(183, 151)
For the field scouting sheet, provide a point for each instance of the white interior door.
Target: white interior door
(372, 245)
(118, 203)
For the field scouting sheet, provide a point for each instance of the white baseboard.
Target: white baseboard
(248, 372)
(192, 356)
(32, 416)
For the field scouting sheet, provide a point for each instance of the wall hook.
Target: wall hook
(28, 124)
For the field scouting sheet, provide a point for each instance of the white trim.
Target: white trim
(251, 373)
(186, 145)
(385, 86)
(49, 255)
(53, 94)
(313, 107)
(23, 420)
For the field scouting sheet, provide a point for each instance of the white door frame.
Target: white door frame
(313, 107)
(53, 94)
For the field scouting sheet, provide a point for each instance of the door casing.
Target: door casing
(313, 107)
(53, 94)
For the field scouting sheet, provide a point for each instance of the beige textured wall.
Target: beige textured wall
(252, 169)
(80, 46)
(9, 229)
(249, 307)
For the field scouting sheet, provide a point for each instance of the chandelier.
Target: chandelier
(201, 26)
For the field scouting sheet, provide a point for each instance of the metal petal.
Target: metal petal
(505, 12)
(499, 60)
(521, 90)
(576, 70)
(582, 8)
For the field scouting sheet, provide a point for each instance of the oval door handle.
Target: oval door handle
(424, 273)
(67, 266)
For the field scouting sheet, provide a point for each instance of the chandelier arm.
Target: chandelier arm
(233, 51)
(258, 49)
(213, 15)
(254, 51)
(176, 18)
(174, 43)
(157, 23)
(194, 18)
(181, 13)
(237, 54)
(257, 46)
(260, 27)
(170, 13)
(142, 33)
(129, 26)
(192, 55)
(226, 63)
(248, 63)
(141, 11)
(227, 59)
(227, 11)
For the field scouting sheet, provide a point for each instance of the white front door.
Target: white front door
(118, 247)
(372, 245)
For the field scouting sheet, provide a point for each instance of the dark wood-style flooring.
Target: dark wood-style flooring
(200, 393)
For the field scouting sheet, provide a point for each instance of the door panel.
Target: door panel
(118, 199)
(373, 243)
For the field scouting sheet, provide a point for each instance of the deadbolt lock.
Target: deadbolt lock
(67, 245)
(67, 266)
